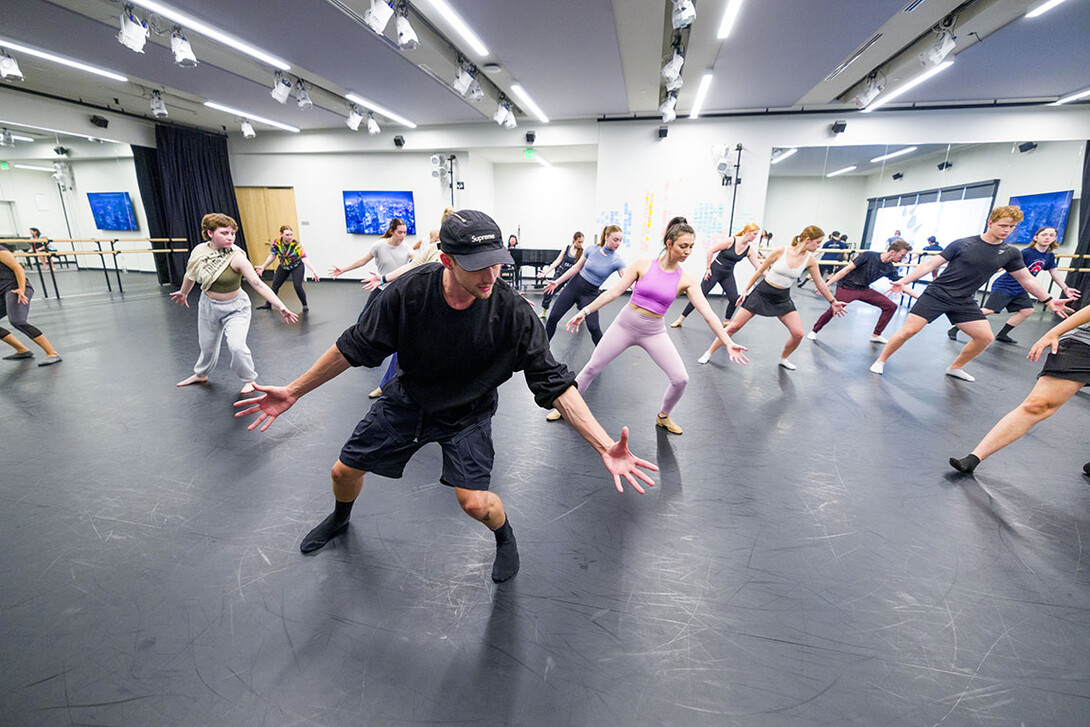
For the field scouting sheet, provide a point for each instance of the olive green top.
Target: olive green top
(228, 281)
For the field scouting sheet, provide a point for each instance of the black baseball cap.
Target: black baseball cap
(474, 240)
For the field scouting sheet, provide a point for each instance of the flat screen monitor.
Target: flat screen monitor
(369, 213)
(112, 211)
(1041, 210)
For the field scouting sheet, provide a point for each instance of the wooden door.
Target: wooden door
(263, 210)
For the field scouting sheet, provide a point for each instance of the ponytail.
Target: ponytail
(606, 232)
(812, 232)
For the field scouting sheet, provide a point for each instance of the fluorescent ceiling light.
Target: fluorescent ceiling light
(784, 154)
(380, 110)
(63, 61)
(197, 26)
(20, 137)
(701, 93)
(251, 117)
(528, 102)
(1072, 97)
(728, 18)
(896, 93)
(55, 131)
(460, 25)
(892, 154)
(33, 168)
(1042, 9)
(838, 172)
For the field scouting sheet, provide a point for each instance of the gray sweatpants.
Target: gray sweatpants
(215, 319)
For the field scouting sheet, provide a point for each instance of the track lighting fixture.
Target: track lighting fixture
(871, 88)
(281, 88)
(672, 70)
(158, 108)
(463, 80)
(134, 31)
(378, 15)
(504, 116)
(355, 118)
(372, 125)
(247, 129)
(9, 68)
(683, 15)
(475, 93)
(668, 109)
(183, 51)
(406, 36)
(6, 139)
(301, 94)
(944, 44)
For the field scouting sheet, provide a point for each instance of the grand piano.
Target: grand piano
(532, 258)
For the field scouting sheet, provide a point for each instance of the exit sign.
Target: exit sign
(5, 166)
(528, 153)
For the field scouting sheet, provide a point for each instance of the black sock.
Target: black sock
(335, 524)
(966, 464)
(1002, 335)
(507, 554)
(953, 333)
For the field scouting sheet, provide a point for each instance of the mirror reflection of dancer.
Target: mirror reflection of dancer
(568, 256)
(772, 295)
(15, 295)
(855, 280)
(970, 262)
(655, 284)
(719, 270)
(223, 312)
(591, 270)
(1066, 370)
(1008, 292)
(293, 262)
(460, 333)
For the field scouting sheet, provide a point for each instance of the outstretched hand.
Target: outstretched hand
(372, 282)
(1059, 306)
(551, 286)
(335, 272)
(619, 461)
(838, 307)
(737, 354)
(572, 326)
(274, 401)
(289, 317)
(180, 298)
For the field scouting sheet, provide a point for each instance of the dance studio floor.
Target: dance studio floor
(807, 558)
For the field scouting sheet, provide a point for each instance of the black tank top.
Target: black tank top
(728, 257)
(7, 276)
(565, 264)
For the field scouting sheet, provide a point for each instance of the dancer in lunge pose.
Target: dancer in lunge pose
(1066, 370)
(772, 295)
(719, 269)
(591, 270)
(1008, 292)
(15, 295)
(460, 332)
(970, 262)
(655, 284)
(855, 280)
(293, 262)
(224, 312)
(568, 256)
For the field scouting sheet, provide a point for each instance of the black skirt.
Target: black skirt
(1071, 362)
(768, 300)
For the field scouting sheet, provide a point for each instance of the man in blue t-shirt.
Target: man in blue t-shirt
(971, 262)
(1008, 293)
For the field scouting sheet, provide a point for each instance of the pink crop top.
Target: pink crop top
(656, 290)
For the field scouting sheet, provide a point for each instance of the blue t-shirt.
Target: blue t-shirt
(834, 245)
(600, 264)
(1035, 260)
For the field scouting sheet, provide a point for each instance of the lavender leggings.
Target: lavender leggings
(632, 329)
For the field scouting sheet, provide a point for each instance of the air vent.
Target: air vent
(854, 57)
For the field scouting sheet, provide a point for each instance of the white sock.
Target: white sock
(959, 374)
(878, 367)
(812, 336)
(787, 364)
(704, 358)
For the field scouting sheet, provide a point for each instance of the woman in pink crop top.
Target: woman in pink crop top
(655, 284)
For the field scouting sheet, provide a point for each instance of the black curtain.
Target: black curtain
(1082, 247)
(196, 180)
(150, 183)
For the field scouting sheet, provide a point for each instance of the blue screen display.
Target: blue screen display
(369, 213)
(112, 210)
(1041, 210)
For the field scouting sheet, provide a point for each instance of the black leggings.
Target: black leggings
(580, 293)
(17, 313)
(297, 274)
(723, 276)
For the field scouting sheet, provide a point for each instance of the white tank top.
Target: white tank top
(780, 275)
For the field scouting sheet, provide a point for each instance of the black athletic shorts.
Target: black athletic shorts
(959, 310)
(395, 428)
(1013, 302)
(1071, 362)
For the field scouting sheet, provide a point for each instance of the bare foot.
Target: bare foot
(248, 388)
(194, 379)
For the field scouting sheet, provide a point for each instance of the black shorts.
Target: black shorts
(958, 310)
(1071, 362)
(395, 428)
(768, 300)
(1013, 302)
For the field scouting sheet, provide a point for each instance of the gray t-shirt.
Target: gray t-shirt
(972, 263)
(389, 258)
(1080, 334)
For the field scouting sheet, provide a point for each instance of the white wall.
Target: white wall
(838, 204)
(547, 205)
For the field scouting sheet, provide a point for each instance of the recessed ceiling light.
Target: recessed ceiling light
(838, 172)
(1042, 9)
(729, 17)
(897, 92)
(20, 48)
(529, 103)
(701, 94)
(251, 117)
(892, 154)
(461, 26)
(380, 110)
